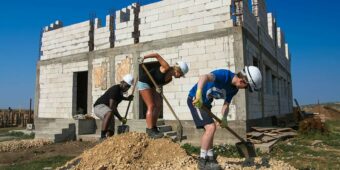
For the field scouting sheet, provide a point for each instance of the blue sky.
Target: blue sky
(310, 28)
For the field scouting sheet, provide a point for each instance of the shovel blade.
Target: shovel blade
(246, 149)
(123, 129)
(179, 134)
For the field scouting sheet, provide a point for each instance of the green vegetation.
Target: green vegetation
(312, 150)
(21, 135)
(6, 130)
(52, 162)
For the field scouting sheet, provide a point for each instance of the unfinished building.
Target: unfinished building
(80, 62)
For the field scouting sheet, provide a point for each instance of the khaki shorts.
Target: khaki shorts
(100, 111)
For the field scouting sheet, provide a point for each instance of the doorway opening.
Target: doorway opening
(80, 92)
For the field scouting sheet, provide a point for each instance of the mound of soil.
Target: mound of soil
(137, 151)
(133, 151)
(330, 112)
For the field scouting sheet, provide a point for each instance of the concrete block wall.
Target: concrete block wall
(98, 91)
(104, 35)
(249, 21)
(260, 12)
(122, 68)
(127, 25)
(254, 99)
(57, 89)
(271, 25)
(202, 57)
(58, 41)
(174, 18)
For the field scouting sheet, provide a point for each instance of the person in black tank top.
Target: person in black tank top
(162, 74)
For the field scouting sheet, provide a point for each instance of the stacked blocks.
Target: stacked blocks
(127, 25)
(60, 41)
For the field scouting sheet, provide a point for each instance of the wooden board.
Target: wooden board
(268, 138)
(283, 130)
(254, 135)
(263, 129)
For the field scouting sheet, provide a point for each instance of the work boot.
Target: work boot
(155, 128)
(212, 163)
(201, 163)
(152, 133)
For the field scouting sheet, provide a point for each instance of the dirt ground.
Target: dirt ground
(332, 113)
(37, 151)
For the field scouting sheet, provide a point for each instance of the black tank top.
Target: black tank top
(156, 74)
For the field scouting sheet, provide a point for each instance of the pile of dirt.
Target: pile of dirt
(11, 146)
(133, 151)
(137, 151)
(330, 112)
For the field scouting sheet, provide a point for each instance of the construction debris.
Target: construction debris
(264, 138)
(11, 146)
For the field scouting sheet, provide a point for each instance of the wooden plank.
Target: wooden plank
(267, 138)
(263, 129)
(271, 134)
(254, 135)
(283, 130)
(286, 134)
(266, 147)
(254, 141)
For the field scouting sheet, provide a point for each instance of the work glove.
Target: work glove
(224, 122)
(123, 120)
(130, 98)
(198, 102)
(140, 60)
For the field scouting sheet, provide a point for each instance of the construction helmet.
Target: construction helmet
(184, 67)
(254, 78)
(128, 79)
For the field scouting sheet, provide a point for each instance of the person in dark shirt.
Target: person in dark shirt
(162, 75)
(106, 105)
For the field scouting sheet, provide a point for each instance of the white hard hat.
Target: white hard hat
(254, 78)
(184, 67)
(128, 79)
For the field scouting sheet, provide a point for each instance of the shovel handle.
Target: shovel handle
(220, 121)
(133, 90)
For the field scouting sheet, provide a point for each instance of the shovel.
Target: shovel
(179, 128)
(125, 128)
(245, 149)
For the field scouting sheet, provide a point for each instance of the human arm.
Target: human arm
(164, 65)
(113, 106)
(129, 98)
(225, 112)
(201, 82)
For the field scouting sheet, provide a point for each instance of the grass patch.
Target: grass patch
(6, 130)
(190, 149)
(52, 162)
(313, 150)
(21, 135)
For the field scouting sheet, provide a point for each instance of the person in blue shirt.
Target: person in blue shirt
(219, 84)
